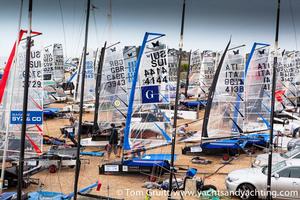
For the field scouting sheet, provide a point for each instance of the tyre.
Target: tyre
(247, 191)
(52, 169)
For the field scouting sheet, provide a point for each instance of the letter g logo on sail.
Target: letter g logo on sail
(150, 94)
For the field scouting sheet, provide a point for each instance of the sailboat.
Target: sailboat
(89, 78)
(286, 89)
(202, 72)
(112, 96)
(48, 68)
(194, 74)
(173, 66)
(58, 58)
(12, 109)
(241, 92)
(146, 125)
(53, 74)
(207, 70)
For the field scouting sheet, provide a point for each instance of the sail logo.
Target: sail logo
(33, 117)
(150, 94)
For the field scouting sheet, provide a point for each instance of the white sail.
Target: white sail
(227, 109)
(286, 91)
(89, 85)
(148, 124)
(114, 91)
(59, 72)
(173, 66)
(258, 91)
(195, 76)
(207, 71)
(130, 57)
(48, 68)
(34, 131)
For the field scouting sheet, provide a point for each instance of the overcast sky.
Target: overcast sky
(208, 24)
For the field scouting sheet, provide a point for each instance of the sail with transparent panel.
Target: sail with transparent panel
(173, 66)
(114, 91)
(207, 71)
(146, 124)
(227, 109)
(258, 86)
(11, 113)
(58, 56)
(286, 90)
(194, 74)
(48, 67)
(90, 79)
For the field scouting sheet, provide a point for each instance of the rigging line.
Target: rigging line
(122, 101)
(17, 42)
(74, 20)
(130, 48)
(113, 45)
(293, 23)
(289, 100)
(236, 109)
(95, 22)
(288, 88)
(58, 175)
(80, 32)
(63, 27)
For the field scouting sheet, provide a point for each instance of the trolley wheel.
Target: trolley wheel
(226, 157)
(52, 169)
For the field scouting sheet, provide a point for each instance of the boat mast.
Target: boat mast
(187, 75)
(78, 75)
(98, 85)
(77, 169)
(176, 102)
(25, 103)
(19, 37)
(269, 197)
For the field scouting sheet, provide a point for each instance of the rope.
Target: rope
(81, 25)
(95, 23)
(293, 22)
(63, 26)
(217, 170)
(58, 173)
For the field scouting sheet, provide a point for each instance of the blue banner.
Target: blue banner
(150, 94)
(33, 117)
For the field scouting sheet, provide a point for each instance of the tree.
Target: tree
(184, 67)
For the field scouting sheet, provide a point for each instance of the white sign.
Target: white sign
(111, 168)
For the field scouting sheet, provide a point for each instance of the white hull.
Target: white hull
(181, 114)
(87, 142)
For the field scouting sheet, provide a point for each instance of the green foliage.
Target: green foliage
(184, 67)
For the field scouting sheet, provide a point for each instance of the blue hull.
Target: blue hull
(46, 195)
(194, 104)
(233, 146)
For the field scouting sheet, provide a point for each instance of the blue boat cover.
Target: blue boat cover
(158, 157)
(239, 142)
(92, 153)
(40, 195)
(195, 103)
(50, 111)
(7, 195)
(146, 163)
